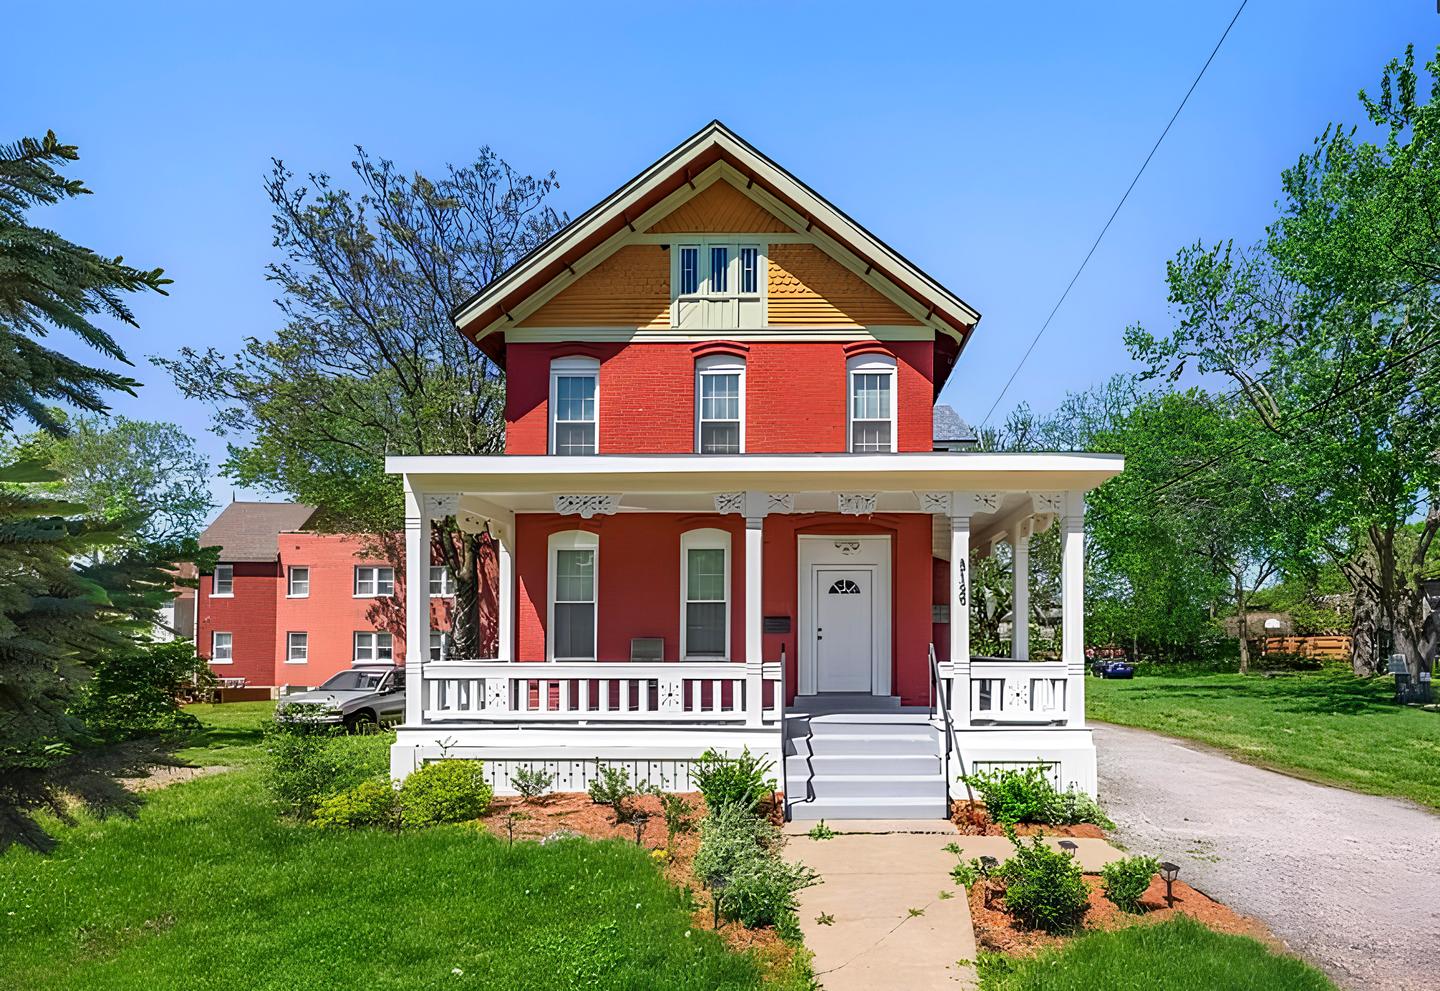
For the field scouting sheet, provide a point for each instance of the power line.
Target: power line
(1074, 278)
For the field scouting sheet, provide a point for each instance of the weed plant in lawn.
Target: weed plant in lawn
(207, 887)
(1328, 726)
(1178, 955)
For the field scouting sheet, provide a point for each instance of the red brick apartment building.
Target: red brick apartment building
(287, 605)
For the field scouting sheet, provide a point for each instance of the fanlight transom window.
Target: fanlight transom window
(844, 587)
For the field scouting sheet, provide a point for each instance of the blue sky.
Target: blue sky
(988, 143)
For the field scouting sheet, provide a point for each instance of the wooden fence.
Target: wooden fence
(1331, 648)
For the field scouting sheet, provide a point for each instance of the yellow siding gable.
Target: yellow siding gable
(720, 208)
(808, 288)
(631, 288)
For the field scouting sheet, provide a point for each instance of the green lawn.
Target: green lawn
(1326, 726)
(1180, 955)
(206, 890)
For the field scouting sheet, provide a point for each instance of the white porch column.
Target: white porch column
(417, 601)
(1072, 599)
(960, 613)
(1020, 627)
(754, 620)
(505, 594)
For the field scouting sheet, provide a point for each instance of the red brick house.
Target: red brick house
(290, 606)
(725, 518)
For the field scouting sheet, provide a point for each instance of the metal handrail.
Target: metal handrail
(780, 705)
(940, 700)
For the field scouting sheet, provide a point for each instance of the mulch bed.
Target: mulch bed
(1000, 932)
(972, 820)
(576, 813)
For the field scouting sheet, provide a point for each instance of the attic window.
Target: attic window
(717, 285)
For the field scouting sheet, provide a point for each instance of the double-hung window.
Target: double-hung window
(871, 403)
(574, 566)
(299, 587)
(374, 647)
(297, 648)
(717, 284)
(223, 584)
(720, 404)
(222, 647)
(437, 645)
(440, 583)
(371, 582)
(574, 406)
(705, 595)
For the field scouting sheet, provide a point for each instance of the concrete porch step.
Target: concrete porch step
(863, 741)
(877, 764)
(869, 808)
(867, 785)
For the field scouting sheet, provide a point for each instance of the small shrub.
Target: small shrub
(302, 769)
(370, 803)
(612, 787)
(679, 817)
(967, 874)
(134, 690)
(1043, 887)
(1073, 807)
(1012, 797)
(531, 782)
(743, 781)
(1126, 880)
(729, 837)
(762, 890)
(442, 791)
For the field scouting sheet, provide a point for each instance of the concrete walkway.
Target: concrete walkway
(1348, 880)
(871, 882)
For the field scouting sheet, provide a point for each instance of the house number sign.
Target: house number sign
(960, 586)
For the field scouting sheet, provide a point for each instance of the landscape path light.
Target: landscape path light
(638, 820)
(1169, 872)
(1069, 846)
(717, 890)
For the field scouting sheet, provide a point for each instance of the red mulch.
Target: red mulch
(997, 930)
(577, 813)
(972, 820)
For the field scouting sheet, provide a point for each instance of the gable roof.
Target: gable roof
(491, 307)
(250, 531)
(950, 429)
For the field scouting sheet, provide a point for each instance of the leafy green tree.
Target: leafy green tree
(368, 362)
(46, 284)
(128, 469)
(1331, 330)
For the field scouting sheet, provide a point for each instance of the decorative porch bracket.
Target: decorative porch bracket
(587, 506)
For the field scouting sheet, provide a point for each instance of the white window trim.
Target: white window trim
(733, 244)
(374, 636)
(718, 364)
(290, 592)
(214, 582)
(870, 364)
(705, 538)
(570, 540)
(573, 367)
(377, 594)
(433, 654)
(447, 583)
(290, 657)
(222, 633)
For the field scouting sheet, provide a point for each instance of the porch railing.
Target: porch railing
(495, 691)
(1009, 691)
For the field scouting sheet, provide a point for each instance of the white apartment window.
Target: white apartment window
(574, 405)
(872, 403)
(717, 284)
(574, 560)
(221, 647)
(440, 583)
(720, 404)
(224, 583)
(372, 581)
(374, 648)
(299, 583)
(437, 640)
(704, 594)
(297, 648)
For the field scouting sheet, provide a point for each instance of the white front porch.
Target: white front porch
(654, 718)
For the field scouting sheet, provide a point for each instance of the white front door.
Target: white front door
(844, 628)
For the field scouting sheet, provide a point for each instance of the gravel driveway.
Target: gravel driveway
(1350, 881)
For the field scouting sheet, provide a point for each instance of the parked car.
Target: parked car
(359, 697)
(1113, 669)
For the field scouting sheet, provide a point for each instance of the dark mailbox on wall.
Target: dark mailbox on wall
(776, 624)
